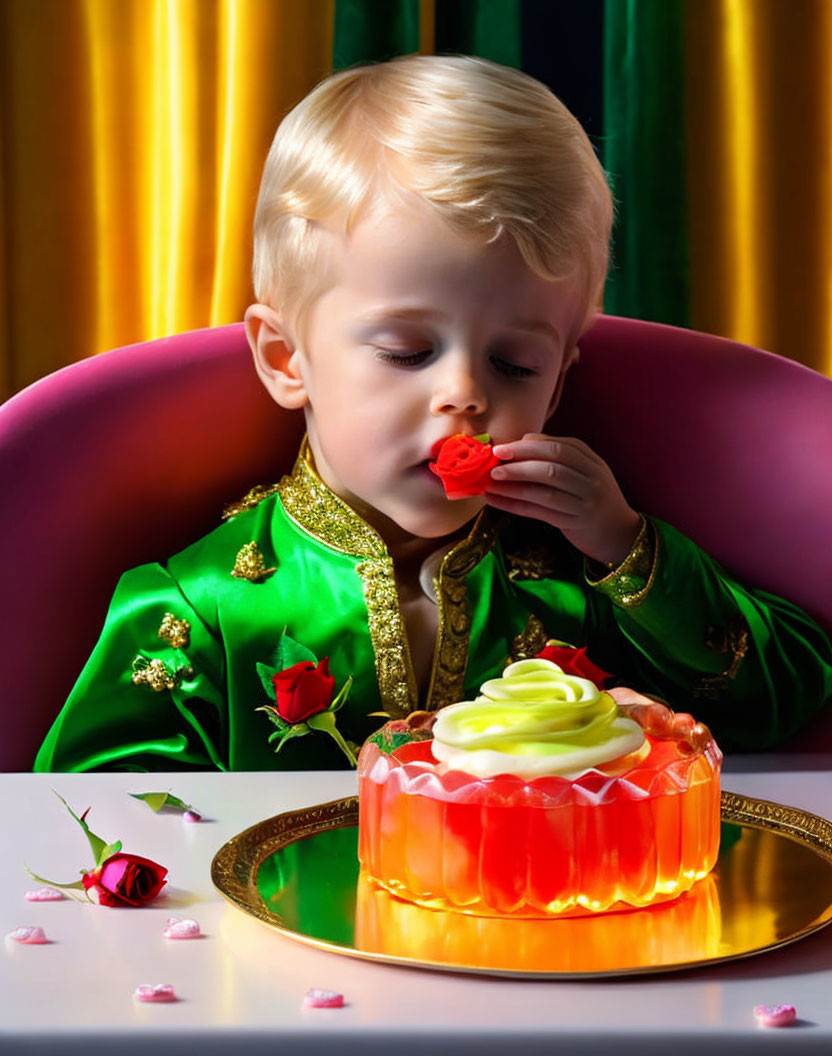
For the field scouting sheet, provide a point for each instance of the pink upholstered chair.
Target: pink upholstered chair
(126, 457)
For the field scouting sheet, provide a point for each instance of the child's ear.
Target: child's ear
(570, 358)
(276, 359)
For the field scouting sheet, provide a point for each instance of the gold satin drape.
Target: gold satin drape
(134, 136)
(759, 129)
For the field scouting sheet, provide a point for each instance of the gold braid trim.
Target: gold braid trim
(447, 681)
(252, 498)
(323, 515)
(629, 584)
(394, 670)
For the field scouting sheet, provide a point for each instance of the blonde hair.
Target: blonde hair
(490, 148)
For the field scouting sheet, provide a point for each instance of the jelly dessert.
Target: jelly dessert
(541, 797)
(683, 931)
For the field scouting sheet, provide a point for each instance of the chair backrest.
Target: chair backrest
(127, 457)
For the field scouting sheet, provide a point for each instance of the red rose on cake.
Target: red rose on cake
(573, 661)
(463, 464)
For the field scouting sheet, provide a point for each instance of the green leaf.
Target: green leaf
(300, 730)
(176, 803)
(266, 673)
(483, 438)
(343, 693)
(155, 800)
(97, 845)
(109, 851)
(274, 716)
(322, 720)
(289, 652)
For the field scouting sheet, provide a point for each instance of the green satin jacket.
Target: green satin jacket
(173, 682)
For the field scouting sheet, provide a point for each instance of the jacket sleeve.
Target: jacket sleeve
(150, 696)
(749, 664)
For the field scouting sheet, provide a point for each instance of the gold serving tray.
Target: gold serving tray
(772, 885)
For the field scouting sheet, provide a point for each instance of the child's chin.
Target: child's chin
(440, 521)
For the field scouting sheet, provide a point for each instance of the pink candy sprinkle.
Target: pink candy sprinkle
(157, 994)
(44, 894)
(191, 816)
(775, 1016)
(323, 999)
(28, 935)
(181, 929)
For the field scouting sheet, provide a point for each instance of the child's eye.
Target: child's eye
(511, 370)
(402, 359)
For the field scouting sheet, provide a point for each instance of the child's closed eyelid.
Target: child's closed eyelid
(401, 358)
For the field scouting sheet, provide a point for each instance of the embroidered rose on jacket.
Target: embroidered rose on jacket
(116, 878)
(463, 464)
(303, 696)
(125, 880)
(303, 690)
(573, 661)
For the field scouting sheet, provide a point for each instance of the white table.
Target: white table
(242, 984)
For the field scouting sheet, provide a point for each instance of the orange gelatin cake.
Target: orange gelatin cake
(684, 930)
(539, 798)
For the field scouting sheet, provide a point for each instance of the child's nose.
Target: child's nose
(458, 391)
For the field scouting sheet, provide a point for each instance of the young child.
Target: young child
(430, 243)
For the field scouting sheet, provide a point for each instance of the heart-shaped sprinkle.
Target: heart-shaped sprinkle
(323, 999)
(159, 993)
(28, 935)
(181, 929)
(775, 1015)
(44, 894)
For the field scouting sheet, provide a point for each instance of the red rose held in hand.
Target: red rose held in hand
(303, 690)
(463, 464)
(125, 880)
(574, 661)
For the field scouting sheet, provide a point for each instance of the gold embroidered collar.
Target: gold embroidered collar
(327, 518)
(323, 515)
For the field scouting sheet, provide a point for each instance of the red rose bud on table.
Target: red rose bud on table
(125, 880)
(116, 879)
(573, 661)
(303, 690)
(463, 464)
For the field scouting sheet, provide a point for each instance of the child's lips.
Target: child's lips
(424, 470)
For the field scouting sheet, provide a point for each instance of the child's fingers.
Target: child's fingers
(543, 496)
(537, 447)
(525, 508)
(552, 474)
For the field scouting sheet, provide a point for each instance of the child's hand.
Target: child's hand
(563, 482)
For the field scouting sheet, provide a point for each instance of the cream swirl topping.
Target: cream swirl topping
(534, 721)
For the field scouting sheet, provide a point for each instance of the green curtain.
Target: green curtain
(644, 155)
(372, 30)
(490, 29)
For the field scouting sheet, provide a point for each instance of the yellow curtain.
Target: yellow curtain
(135, 132)
(759, 99)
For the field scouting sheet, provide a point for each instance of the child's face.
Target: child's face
(424, 334)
